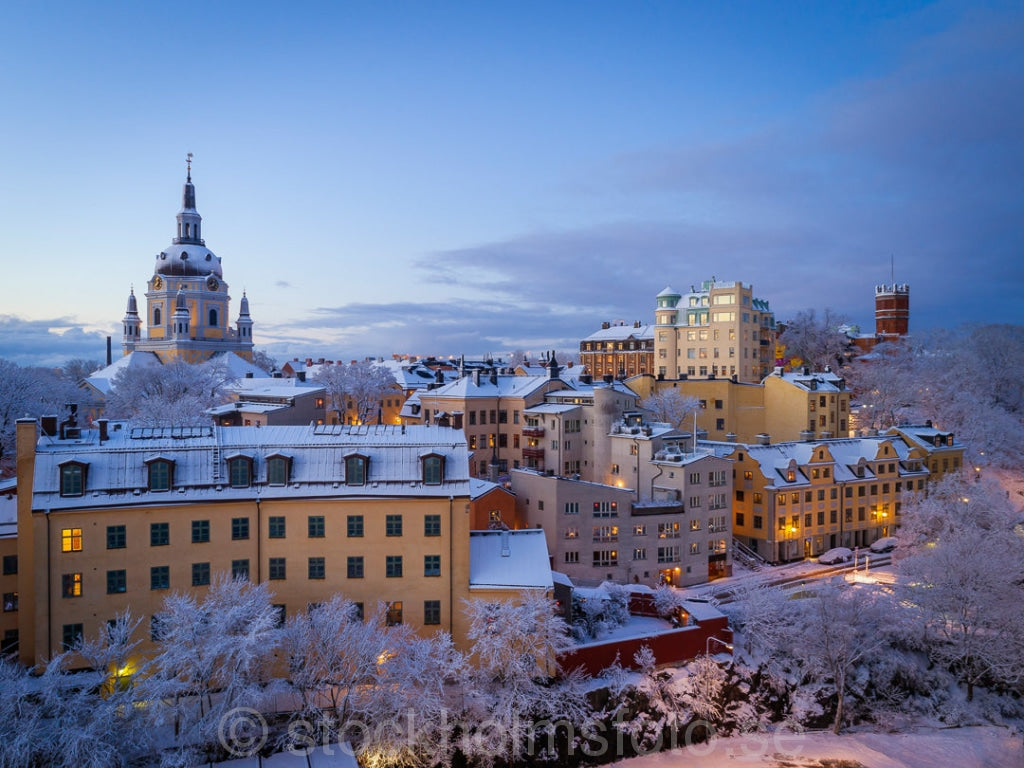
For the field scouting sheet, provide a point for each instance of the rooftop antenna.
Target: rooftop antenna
(892, 268)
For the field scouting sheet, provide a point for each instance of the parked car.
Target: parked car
(884, 544)
(837, 555)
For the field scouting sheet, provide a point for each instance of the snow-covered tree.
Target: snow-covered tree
(961, 571)
(174, 394)
(516, 645)
(26, 391)
(670, 406)
(355, 391)
(264, 361)
(816, 342)
(349, 672)
(214, 656)
(668, 600)
(78, 368)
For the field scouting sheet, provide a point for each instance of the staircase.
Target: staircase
(749, 558)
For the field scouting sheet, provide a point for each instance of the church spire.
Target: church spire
(189, 220)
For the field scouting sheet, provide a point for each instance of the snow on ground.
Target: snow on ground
(971, 747)
(636, 626)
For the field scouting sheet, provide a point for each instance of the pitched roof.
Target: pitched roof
(509, 560)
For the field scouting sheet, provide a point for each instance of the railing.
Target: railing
(533, 431)
(533, 453)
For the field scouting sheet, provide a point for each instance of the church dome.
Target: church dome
(188, 261)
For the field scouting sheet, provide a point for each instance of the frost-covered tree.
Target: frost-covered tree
(350, 673)
(668, 600)
(356, 391)
(214, 656)
(78, 368)
(264, 361)
(174, 394)
(27, 391)
(516, 645)
(961, 571)
(816, 342)
(670, 406)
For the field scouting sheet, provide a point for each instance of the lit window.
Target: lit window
(71, 540)
(394, 614)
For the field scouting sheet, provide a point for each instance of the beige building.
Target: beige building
(796, 500)
(9, 572)
(119, 517)
(722, 329)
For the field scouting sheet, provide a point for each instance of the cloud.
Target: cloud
(50, 342)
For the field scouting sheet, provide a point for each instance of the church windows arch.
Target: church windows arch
(156, 315)
(213, 317)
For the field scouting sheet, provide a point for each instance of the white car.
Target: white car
(837, 555)
(884, 544)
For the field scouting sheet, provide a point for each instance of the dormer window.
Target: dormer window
(356, 469)
(433, 469)
(161, 474)
(278, 469)
(240, 471)
(72, 478)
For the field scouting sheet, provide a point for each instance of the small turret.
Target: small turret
(132, 324)
(180, 320)
(244, 324)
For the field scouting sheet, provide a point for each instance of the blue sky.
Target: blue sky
(448, 178)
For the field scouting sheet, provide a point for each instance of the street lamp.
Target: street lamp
(707, 645)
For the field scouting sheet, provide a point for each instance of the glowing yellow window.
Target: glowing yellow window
(71, 540)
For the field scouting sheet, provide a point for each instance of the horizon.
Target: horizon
(459, 179)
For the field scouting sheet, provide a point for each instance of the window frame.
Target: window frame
(159, 468)
(357, 469)
(73, 478)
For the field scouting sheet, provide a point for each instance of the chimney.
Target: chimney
(110, 357)
(476, 377)
(49, 426)
(103, 430)
(763, 439)
(608, 378)
(730, 437)
(248, 374)
(807, 436)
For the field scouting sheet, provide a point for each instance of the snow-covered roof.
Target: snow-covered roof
(622, 332)
(813, 381)
(504, 385)
(479, 487)
(553, 408)
(102, 379)
(701, 611)
(8, 508)
(117, 473)
(509, 560)
(276, 388)
(238, 367)
(247, 407)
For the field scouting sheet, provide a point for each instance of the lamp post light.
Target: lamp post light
(712, 638)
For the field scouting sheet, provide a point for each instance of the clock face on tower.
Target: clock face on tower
(211, 283)
(158, 283)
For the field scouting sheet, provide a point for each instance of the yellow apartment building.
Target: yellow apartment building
(619, 350)
(797, 500)
(9, 571)
(120, 517)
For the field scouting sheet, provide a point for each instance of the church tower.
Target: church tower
(187, 299)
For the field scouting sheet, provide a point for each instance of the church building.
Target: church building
(186, 316)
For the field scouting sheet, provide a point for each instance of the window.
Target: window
(71, 540)
(393, 525)
(606, 533)
(640, 553)
(572, 557)
(354, 566)
(278, 569)
(160, 473)
(393, 566)
(431, 565)
(433, 469)
(668, 554)
(276, 527)
(239, 528)
(160, 577)
(159, 534)
(200, 574)
(821, 517)
(355, 526)
(72, 479)
(432, 610)
(240, 569)
(640, 529)
(606, 509)
(71, 635)
(317, 568)
(200, 531)
(758, 522)
(604, 558)
(278, 470)
(116, 537)
(694, 547)
(394, 615)
(431, 525)
(668, 530)
(740, 519)
(117, 582)
(240, 471)
(316, 526)
(355, 470)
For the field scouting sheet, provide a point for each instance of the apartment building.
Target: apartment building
(798, 499)
(119, 517)
(720, 329)
(619, 350)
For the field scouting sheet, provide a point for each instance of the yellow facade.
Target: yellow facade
(82, 565)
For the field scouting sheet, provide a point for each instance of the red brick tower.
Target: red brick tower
(892, 310)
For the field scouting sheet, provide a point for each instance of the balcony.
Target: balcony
(533, 453)
(533, 431)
